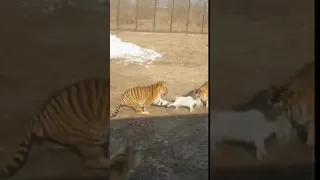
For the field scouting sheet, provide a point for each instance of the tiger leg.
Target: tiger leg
(147, 108)
(310, 134)
(141, 110)
(94, 157)
(304, 116)
(207, 103)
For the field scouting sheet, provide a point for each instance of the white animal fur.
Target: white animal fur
(187, 101)
(248, 126)
(160, 102)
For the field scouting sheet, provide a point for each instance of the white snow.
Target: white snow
(131, 53)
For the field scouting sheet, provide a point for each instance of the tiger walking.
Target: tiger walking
(140, 98)
(202, 93)
(76, 117)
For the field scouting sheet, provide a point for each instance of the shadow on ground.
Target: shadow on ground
(173, 147)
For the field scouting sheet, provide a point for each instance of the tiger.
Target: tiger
(140, 98)
(295, 99)
(75, 117)
(202, 93)
(303, 77)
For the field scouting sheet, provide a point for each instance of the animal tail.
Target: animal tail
(116, 111)
(21, 155)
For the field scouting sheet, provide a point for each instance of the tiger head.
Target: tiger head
(279, 95)
(200, 93)
(197, 93)
(162, 88)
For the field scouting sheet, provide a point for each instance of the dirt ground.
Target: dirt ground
(184, 66)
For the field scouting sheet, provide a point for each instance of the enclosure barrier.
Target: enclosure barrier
(138, 13)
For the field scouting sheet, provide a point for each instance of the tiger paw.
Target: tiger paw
(144, 113)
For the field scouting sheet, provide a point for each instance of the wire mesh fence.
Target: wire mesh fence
(176, 16)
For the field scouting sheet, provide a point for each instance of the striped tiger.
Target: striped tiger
(202, 93)
(140, 98)
(295, 99)
(75, 117)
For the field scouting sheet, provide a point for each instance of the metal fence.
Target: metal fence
(177, 16)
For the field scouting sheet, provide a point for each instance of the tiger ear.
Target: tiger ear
(194, 90)
(163, 83)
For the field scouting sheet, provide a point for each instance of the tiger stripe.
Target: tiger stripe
(140, 98)
(77, 117)
(296, 98)
(202, 93)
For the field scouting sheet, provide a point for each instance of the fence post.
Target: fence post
(154, 15)
(118, 14)
(137, 15)
(187, 23)
(204, 10)
(172, 8)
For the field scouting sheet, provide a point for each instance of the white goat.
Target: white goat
(187, 101)
(248, 126)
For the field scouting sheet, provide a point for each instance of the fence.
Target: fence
(178, 16)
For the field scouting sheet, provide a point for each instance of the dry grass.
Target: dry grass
(141, 17)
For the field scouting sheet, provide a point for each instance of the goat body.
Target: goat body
(187, 101)
(247, 126)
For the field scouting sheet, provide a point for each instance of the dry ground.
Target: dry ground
(184, 66)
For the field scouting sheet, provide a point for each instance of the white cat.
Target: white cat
(187, 101)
